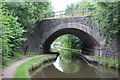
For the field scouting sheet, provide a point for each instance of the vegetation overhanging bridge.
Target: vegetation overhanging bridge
(77, 22)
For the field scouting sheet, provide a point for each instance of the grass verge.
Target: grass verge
(108, 62)
(28, 54)
(74, 50)
(17, 57)
(23, 72)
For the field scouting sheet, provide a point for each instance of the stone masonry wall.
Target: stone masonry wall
(111, 49)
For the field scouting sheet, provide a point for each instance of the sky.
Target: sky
(60, 5)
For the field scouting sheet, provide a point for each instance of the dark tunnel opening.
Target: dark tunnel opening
(89, 42)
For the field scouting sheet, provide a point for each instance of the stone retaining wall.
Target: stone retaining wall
(111, 50)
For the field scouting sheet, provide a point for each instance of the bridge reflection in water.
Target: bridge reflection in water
(67, 67)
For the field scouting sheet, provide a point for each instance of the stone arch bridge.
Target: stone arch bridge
(45, 32)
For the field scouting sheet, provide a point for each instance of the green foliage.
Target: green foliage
(70, 41)
(107, 14)
(17, 18)
(79, 5)
(29, 12)
(66, 54)
(11, 34)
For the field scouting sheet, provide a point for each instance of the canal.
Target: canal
(73, 67)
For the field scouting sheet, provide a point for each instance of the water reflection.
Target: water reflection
(72, 67)
(70, 62)
(67, 66)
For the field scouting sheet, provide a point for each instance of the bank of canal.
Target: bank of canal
(48, 66)
(23, 71)
(66, 66)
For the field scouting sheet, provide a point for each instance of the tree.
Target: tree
(29, 12)
(107, 15)
(11, 34)
(70, 41)
(79, 5)
(17, 18)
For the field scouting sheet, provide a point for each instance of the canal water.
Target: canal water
(64, 67)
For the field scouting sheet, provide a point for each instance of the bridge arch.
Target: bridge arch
(85, 33)
(45, 32)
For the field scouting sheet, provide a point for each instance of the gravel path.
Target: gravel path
(9, 71)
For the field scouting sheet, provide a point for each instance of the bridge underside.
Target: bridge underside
(89, 42)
